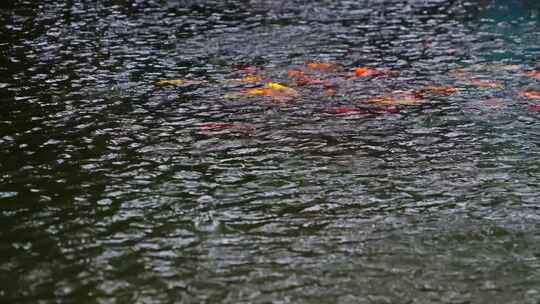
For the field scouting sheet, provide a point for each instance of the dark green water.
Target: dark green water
(110, 191)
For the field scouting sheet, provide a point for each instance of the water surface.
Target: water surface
(111, 192)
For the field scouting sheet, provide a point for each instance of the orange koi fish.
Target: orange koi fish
(367, 72)
(533, 74)
(177, 82)
(440, 90)
(403, 100)
(253, 78)
(530, 94)
(295, 74)
(319, 66)
(276, 91)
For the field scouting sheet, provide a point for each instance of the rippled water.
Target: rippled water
(112, 191)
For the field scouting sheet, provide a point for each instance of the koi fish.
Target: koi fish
(277, 86)
(282, 88)
(253, 78)
(249, 70)
(213, 126)
(260, 91)
(177, 82)
(440, 90)
(398, 98)
(535, 108)
(295, 74)
(367, 72)
(405, 100)
(274, 94)
(276, 91)
(319, 66)
(347, 111)
(533, 74)
(530, 94)
(307, 81)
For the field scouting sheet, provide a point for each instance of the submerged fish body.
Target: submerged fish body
(275, 91)
(321, 66)
(367, 72)
(295, 74)
(308, 81)
(325, 79)
(439, 90)
(530, 94)
(253, 78)
(533, 74)
(405, 100)
(535, 108)
(212, 126)
(347, 111)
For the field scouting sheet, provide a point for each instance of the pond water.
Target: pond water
(114, 189)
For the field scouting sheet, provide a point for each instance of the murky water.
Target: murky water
(115, 190)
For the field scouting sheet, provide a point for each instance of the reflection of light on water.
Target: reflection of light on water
(8, 194)
(117, 189)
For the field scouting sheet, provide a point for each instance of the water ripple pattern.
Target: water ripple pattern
(114, 189)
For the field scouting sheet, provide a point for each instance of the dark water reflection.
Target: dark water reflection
(111, 193)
